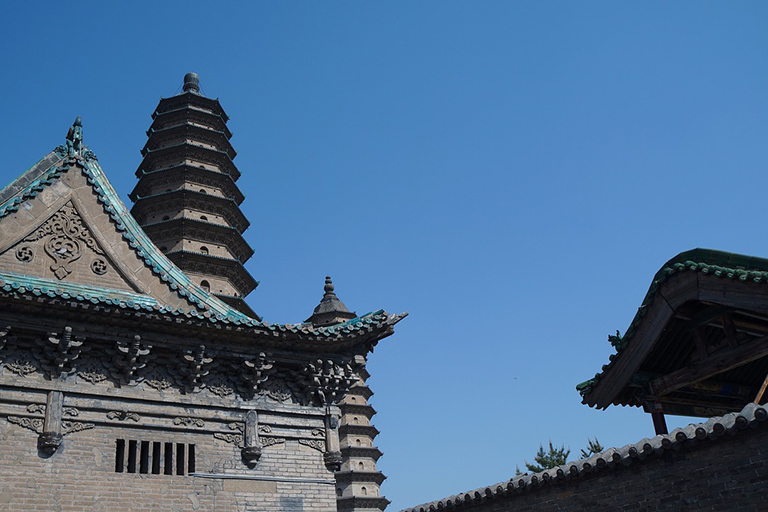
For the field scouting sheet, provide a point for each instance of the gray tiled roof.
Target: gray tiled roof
(682, 438)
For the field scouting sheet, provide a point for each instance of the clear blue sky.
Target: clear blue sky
(510, 173)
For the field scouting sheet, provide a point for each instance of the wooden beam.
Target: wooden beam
(705, 316)
(730, 330)
(701, 345)
(760, 393)
(718, 362)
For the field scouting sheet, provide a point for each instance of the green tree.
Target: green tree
(548, 459)
(593, 447)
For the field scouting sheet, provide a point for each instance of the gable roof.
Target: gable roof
(73, 157)
(65, 159)
(699, 277)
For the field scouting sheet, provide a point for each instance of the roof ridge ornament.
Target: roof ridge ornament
(75, 137)
(73, 146)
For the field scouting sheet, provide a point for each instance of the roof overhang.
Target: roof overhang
(698, 345)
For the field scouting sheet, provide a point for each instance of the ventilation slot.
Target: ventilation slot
(145, 457)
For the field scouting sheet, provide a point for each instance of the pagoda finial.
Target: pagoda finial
(191, 82)
(328, 288)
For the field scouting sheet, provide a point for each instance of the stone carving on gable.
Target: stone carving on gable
(57, 352)
(64, 237)
(25, 254)
(36, 408)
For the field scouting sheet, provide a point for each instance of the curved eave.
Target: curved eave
(188, 149)
(59, 300)
(190, 98)
(365, 452)
(360, 476)
(352, 429)
(183, 196)
(146, 178)
(729, 279)
(185, 225)
(223, 143)
(362, 502)
(184, 258)
(161, 117)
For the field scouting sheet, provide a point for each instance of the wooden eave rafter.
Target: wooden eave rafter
(724, 298)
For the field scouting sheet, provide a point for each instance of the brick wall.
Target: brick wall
(727, 473)
(81, 475)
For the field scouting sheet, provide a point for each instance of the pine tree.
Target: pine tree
(592, 448)
(547, 460)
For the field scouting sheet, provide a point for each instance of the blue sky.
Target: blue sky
(510, 173)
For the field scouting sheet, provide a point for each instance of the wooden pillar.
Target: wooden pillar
(659, 423)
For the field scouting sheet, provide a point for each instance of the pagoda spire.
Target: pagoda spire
(187, 199)
(330, 310)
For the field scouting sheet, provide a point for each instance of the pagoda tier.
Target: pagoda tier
(187, 199)
(358, 482)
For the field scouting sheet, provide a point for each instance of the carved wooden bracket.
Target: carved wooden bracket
(197, 366)
(130, 359)
(58, 352)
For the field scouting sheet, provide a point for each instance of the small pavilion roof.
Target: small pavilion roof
(330, 310)
(698, 345)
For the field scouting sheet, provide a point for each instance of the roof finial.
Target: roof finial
(328, 285)
(75, 137)
(191, 82)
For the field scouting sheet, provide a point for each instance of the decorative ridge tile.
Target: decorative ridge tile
(752, 416)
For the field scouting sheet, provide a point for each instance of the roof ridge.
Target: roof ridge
(751, 416)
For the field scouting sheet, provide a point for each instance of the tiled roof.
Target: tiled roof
(706, 261)
(203, 306)
(688, 437)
